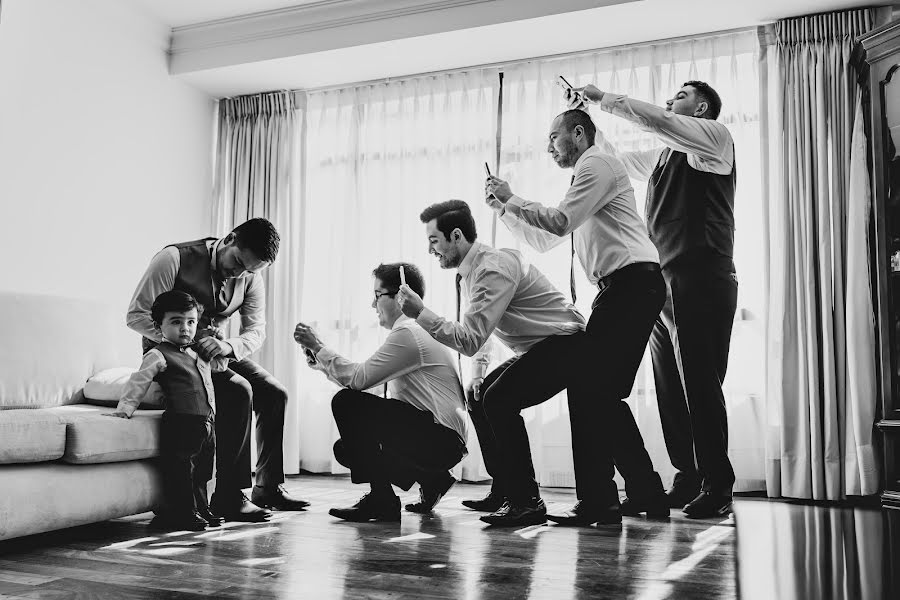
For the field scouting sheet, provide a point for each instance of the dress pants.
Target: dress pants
(526, 380)
(390, 441)
(598, 368)
(622, 318)
(243, 387)
(689, 347)
(187, 449)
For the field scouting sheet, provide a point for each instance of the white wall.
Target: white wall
(104, 158)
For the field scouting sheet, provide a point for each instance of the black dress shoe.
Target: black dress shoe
(708, 505)
(370, 508)
(431, 493)
(584, 515)
(239, 508)
(277, 498)
(683, 490)
(656, 507)
(490, 503)
(211, 519)
(518, 514)
(178, 521)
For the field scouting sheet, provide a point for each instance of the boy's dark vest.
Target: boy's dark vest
(195, 277)
(689, 209)
(182, 383)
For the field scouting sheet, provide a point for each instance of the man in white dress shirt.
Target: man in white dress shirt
(417, 430)
(513, 300)
(598, 215)
(691, 181)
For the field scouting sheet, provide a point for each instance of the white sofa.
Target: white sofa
(61, 462)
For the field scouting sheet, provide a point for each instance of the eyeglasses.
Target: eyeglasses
(379, 294)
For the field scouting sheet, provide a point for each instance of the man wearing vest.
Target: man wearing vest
(224, 276)
(690, 218)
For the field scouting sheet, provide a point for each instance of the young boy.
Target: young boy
(188, 440)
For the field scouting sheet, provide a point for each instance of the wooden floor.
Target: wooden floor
(448, 555)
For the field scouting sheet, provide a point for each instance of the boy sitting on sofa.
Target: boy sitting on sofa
(188, 435)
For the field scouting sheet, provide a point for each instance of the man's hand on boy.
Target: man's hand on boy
(209, 348)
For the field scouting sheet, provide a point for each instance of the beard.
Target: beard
(567, 152)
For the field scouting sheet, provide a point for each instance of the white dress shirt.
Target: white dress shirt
(418, 370)
(160, 277)
(152, 365)
(707, 143)
(599, 208)
(508, 297)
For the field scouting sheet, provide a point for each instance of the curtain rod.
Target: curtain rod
(498, 65)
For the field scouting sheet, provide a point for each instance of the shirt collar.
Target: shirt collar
(180, 348)
(400, 321)
(591, 151)
(465, 267)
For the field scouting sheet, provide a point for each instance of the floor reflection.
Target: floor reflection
(792, 551)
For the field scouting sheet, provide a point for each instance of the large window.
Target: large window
(377, 155)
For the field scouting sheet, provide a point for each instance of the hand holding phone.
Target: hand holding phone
(310, 357)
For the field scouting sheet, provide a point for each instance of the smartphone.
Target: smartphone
(310, 357)
(487, 170)
(561, 82)
(402, 276)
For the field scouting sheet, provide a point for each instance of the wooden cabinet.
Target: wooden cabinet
(877, 57)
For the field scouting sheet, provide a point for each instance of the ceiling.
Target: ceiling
(632, 22)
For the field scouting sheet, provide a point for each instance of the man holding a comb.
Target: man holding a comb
(598, 215)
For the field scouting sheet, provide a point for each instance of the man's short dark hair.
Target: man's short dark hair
(258, 236)
(389, 275)
(709, 95)
(173, 301)
(574, 117)
(451, 215)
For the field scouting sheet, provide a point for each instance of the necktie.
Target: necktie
(458, 295)
(458, 313)
(572, 259)
(572, 270)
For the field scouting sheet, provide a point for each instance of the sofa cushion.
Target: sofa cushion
(31, 435)
(106, 387)
(59, 343)
(92, 437)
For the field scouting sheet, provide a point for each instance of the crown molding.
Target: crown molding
(333, 24)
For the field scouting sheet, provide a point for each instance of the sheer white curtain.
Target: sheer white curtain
(653, 73)
(377, 156)
(256, 174)
(821, 350)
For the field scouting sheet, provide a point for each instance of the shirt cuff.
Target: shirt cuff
(608, 101)
(427, 319)
(514, 205)
(237, 348)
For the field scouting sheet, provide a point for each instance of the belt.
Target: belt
(626, 272)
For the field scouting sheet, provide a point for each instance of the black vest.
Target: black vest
(689, 210)
(182, 383)
(195, 277)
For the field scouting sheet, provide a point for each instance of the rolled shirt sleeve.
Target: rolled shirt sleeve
(593, 187)
(398, 356)
(158, 278)
(152, 364)
(707, 143)
(253, 320)
(490, 293)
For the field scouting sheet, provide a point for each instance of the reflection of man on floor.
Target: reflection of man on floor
(415, 432)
